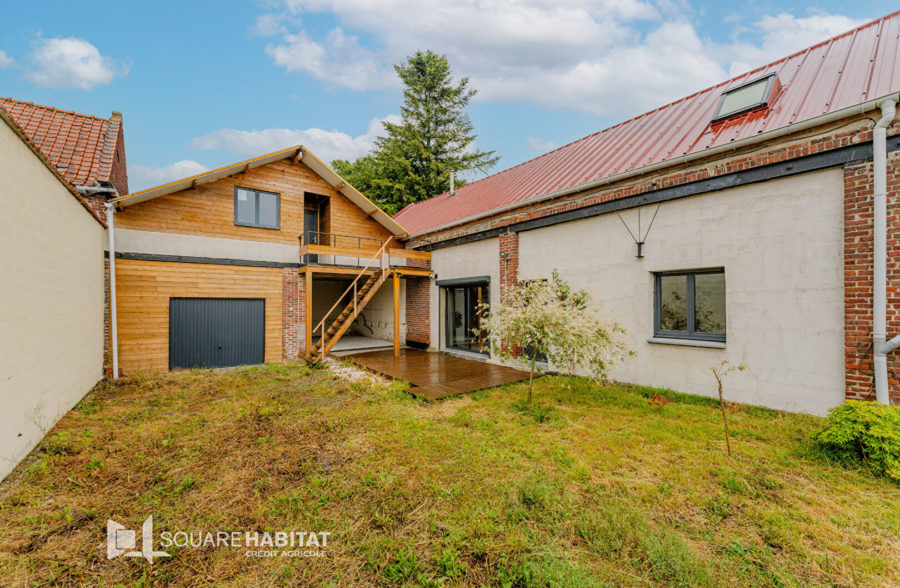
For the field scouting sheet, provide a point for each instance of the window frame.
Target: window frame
(767, 96)
(690, 294)
(256, 192)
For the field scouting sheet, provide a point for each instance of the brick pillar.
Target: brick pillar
(418, 307)
(291, 313)
(858, 237)
(509, 262)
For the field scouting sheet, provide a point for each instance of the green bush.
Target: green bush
(866, 432)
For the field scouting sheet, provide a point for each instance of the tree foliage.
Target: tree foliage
(549, 319)
(414, 158)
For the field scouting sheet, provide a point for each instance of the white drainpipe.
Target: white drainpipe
(880, 346)
(114, 345)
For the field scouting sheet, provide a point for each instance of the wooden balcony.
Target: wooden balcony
(351, 251)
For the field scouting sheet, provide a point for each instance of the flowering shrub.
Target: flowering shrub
(550, 320)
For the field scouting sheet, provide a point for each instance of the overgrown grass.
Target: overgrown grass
(591, 486)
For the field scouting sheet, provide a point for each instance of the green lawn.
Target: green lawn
(591, 486)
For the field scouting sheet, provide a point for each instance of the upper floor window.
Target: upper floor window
(255, 208)
(748, 96)
(690, 305)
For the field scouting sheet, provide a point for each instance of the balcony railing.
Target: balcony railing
(334, 249)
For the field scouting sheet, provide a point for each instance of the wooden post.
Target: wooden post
(309, 325)
(396, 315)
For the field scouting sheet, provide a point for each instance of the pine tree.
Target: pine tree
(413, 161)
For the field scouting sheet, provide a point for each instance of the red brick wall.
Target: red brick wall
(118, 173)
(858, 237)
(509, 262)
(418, 306)
(292, 309)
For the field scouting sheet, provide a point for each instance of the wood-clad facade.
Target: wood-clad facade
(184, 240)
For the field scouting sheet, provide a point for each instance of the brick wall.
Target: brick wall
(858, 189)
(292, 309)
(418, 306)
(509, 262)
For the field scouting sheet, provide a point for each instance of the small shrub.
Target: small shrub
(865, 432)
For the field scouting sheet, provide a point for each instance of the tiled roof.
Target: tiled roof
(844, 71)
(80, 146)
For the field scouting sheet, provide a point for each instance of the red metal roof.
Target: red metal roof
(849, 69)
(80, 146)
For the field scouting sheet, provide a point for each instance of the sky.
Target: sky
(202, 84)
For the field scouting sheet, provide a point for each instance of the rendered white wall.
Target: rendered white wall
(51, 300)
(781, 244)
(480, 258)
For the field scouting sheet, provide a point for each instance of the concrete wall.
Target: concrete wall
(480, 258)
(51, 300)
(781, 244)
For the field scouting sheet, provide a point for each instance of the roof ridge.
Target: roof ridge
(54, 108)
(746, 74)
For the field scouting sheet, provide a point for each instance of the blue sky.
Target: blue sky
(202, 84)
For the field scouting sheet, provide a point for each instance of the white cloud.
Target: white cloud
(72, 63)
(6, 60)
(539, 144)
(610, 57)
(327, 145)
(148, 176)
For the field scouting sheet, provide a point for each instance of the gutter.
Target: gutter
(881, 347)
(113, 322)
(732, 146)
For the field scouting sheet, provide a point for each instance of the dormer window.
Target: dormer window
(748, 96)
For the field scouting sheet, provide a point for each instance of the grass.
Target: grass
(591, 486)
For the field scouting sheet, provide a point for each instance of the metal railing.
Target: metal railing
(354, 287)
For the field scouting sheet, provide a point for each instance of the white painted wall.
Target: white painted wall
(379, 312)
(51, 300)
(152, 242)
(781, 244)
(463, 261)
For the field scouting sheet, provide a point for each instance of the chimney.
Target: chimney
(452, 182)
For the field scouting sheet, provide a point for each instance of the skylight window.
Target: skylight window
(753, 94)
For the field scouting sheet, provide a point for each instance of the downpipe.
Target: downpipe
(880, 346)
(113, 322)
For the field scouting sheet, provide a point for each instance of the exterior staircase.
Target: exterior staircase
(360, 295)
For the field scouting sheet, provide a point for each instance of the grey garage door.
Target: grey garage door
(216, 332)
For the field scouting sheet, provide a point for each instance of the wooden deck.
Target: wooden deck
(437, 375)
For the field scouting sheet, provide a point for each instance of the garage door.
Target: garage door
(216, 332)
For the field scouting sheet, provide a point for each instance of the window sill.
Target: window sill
(687, 342)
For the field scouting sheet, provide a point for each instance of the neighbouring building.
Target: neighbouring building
(268, 259)
(734, 224)
(51, 299)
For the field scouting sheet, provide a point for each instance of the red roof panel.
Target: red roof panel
(849, 69)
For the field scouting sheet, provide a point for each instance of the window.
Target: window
(255, 208)
(690, 305)
(753, 94)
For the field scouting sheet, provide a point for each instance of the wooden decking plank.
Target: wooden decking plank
(437, 375)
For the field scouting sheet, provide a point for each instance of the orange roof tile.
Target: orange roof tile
(80, 146)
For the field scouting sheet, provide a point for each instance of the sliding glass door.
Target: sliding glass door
(462, 319)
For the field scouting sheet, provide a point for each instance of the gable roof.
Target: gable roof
(4, 116)
(82, 147)
(297, 153)
(845, 71)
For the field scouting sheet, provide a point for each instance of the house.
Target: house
(51, 302)
(268, 259)
(734, 224)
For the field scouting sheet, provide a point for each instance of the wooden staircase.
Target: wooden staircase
(360, 297)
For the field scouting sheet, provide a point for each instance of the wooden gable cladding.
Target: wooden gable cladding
(144, 290)
(208, 209)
